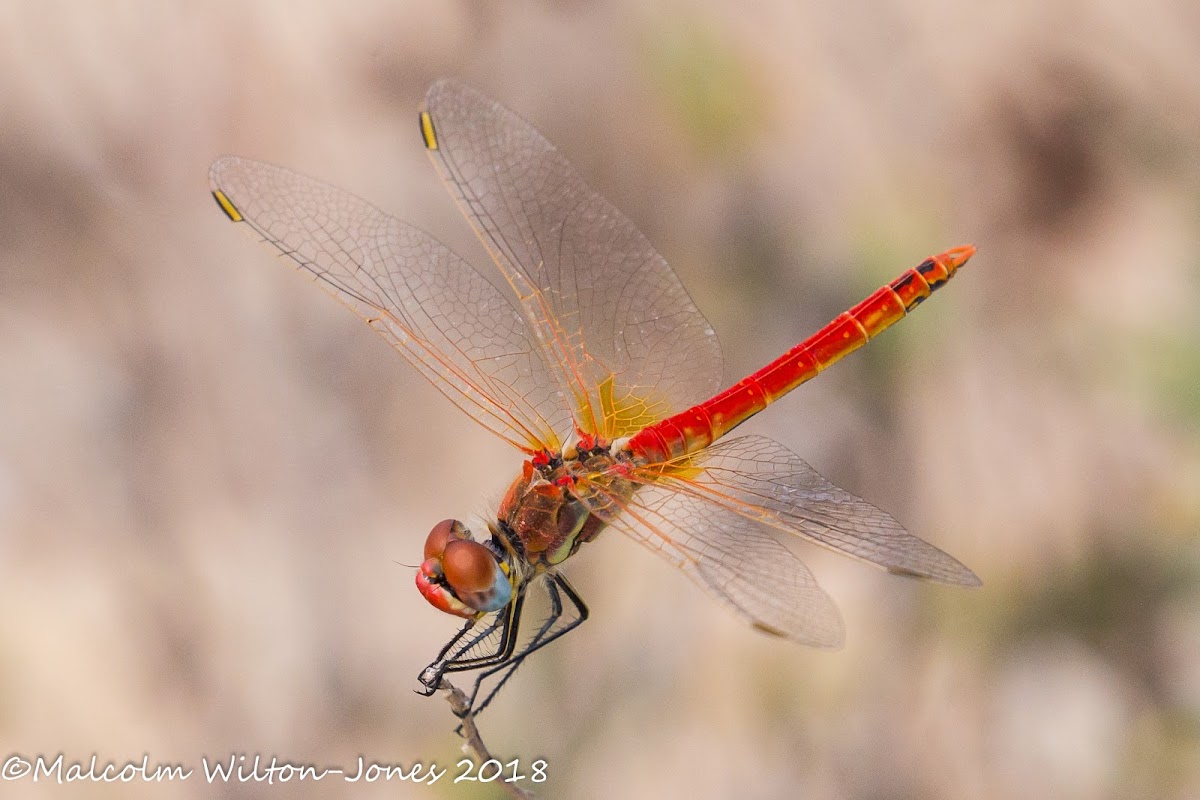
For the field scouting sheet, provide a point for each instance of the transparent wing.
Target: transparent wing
(737, 560)
(625, 343)
(716, 514)
(462, 333)
(761, 481)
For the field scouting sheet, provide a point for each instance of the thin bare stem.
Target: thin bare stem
(473, 743)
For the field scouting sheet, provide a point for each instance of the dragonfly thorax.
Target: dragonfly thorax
(543, 519)
(545, 510)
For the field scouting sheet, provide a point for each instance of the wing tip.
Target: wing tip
(220, 165)
(227, 206)
(969, 580)
(428, 134)
(440, 87)
(958, 575)
(833, 639)
(215, 173)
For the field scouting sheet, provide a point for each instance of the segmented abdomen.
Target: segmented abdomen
(703, 424)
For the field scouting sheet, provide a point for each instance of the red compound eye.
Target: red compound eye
(469, 567)
(444, 532)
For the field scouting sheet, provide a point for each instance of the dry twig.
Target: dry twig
(473, 744)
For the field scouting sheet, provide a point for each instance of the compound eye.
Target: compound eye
(444, 532)
(469, 567)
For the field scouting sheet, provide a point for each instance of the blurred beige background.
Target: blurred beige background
(208, 471)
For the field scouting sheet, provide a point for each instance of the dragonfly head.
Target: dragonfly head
(459, 575)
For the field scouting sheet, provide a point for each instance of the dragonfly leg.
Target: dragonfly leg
(544, 636)
(431, 676)
(455, 656)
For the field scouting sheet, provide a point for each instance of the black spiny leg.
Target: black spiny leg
(455, 656)
(544, 636)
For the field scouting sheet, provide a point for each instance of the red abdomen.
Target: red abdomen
(703, 424)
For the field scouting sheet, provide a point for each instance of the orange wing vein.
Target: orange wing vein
(624, 341)
(460, 332)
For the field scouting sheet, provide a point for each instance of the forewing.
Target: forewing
(625, 342)
(760, 480)
(737, 560)
(455, 327)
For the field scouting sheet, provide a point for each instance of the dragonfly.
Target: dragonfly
(584, 352)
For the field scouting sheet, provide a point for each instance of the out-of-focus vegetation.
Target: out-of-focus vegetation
(208, 472)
